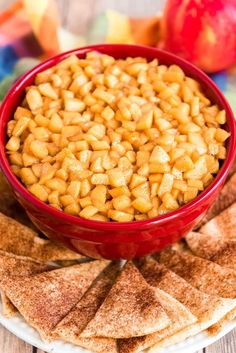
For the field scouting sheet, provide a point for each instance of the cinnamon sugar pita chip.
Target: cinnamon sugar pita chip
(12, 265)
(219, 250)
(180, 318)
(8, 309)
(20, 240)
(202, 274)
(130, 309)
(223, 225)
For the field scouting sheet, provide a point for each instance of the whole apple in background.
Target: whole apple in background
(201, 31)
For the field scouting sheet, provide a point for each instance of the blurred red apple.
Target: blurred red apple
(201, 31)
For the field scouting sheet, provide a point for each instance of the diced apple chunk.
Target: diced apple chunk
(142, 205)
(159, 155)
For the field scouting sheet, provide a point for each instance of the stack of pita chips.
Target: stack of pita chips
(23, 252)
(206, 308)
(111, 307)
(45, 299)
(107, 308)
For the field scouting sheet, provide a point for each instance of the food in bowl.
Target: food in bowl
(116, 140)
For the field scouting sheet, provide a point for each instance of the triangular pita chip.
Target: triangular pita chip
(12, 265)
(180, 318)
(46, 298)
(130, 309)
(21, 240)
(202, 274)
(208, 309)
(223, 225)
(8, 309)
(74, 323)
(219, 250)
(46, 250)
(8, 204)
(226, 198)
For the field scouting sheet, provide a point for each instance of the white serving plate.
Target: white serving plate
(18, 326)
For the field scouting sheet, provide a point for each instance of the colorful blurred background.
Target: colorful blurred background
(203, 32)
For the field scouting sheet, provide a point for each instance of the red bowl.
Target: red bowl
(112, 240)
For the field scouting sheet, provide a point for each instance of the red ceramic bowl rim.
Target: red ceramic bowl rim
(122, 226)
